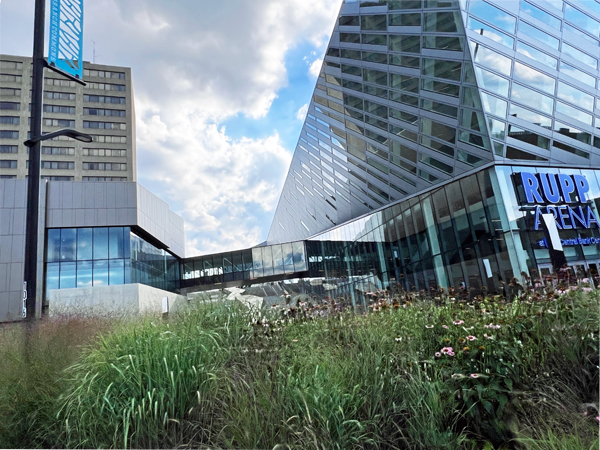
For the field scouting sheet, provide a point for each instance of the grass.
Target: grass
(220, 375)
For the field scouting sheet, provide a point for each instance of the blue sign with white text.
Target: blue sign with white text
(564, 196)
(66, 36)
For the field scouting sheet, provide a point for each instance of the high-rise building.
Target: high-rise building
(416, 93)
(104, 108)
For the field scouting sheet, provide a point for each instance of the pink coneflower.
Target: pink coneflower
(451, 354)
(438, 354)
(428, 326)
(446, 350)
(471, 338)
(474, 375)
(445, 327)
(458, 322)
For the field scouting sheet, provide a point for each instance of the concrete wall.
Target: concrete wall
(112, 301)
(13, 206)
(102, 204)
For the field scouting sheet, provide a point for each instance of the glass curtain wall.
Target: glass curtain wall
(153, 266)
(469, 233)
(244, 264)
(82, 257)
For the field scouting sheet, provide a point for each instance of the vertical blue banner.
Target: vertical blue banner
(66, 36)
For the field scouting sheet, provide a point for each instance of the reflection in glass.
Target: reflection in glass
(84, 274)
(116, 271)
(532, 77)
(493, 105)
(538, 34)
(52, 275)
(68, 275)
(489, 58)
(577, 74)
(493, 15)
(492, 82)
(53, 246)
(575, 96)
(574, 113)
(491, 33)
(532, 99)
(539, 14)
(582, 20)
(84, 244)
(536, 54)
(579, 55)
(100, 243)
(68, 247)
(100, 274)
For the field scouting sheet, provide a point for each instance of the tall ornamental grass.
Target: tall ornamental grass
(484, 375)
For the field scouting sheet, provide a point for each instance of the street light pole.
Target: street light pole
(33, 182)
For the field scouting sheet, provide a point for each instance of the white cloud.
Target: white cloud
(315, 68)
(194, 65)
(301, 114)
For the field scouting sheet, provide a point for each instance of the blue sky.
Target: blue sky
(218, 86)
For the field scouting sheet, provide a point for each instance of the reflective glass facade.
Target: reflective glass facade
(415, 93)
(85, 257)
(470, 232)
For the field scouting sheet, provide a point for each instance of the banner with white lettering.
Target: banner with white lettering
(66, 36)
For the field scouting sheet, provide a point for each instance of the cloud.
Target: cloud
(315, 68)
(301, 115)
(194, 65)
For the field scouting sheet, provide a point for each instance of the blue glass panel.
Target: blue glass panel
(101, 273)
(84, 273)
(127, 271)
(116, 271)
(52, 276)
(84, 244)
(67, 244)
(493, 15)
(299, 256)
(100, 243)
(126, 242)
(53, 252)
(67, 275)
(115, 243)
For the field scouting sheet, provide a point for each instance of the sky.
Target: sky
(221, 89)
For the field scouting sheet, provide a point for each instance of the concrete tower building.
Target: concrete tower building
(104, 108)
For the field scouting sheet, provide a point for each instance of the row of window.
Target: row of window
(441, 22)
(9, 78)
(103, 74)
(16, 106)
(10, 92)
(106, 86)
(104, 125)
(12, 65)
(67, 151)
(68, 165)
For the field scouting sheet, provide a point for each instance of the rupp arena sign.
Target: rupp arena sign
(564, 196)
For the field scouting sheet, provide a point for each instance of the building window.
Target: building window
(55, 178)
(104, 125)
(59, 95)
(57, 82)
(8, 78)
(57, 165)
(59, 123)
(10, 106)
(10, 92)
(104, 178)
(103, 74)
(109, 139)
(13, 65)
(63, 151)
(4, 134)
(104, 166)
(59, 109)
(7, 177)
(10, 120)
(104, 152)
(7, 164)
(9, 149)
(106, 86)
(103, 99)
(103, 112)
